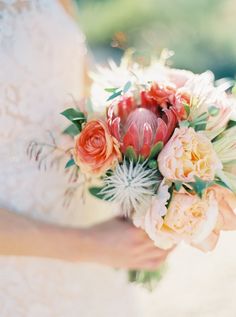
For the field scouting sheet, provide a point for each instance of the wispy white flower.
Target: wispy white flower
(205, 95)
(131, 187)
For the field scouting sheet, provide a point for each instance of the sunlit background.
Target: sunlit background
(202, 32)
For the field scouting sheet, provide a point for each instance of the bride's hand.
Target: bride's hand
(119, 244)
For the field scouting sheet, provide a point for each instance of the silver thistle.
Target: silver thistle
(131, 187)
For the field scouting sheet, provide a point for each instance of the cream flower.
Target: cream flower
(192, 218)
(188, 218)
(188, 154)
(205, 95)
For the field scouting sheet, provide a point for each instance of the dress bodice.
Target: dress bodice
(42, 59)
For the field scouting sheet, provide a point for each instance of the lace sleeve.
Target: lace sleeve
(42, 55)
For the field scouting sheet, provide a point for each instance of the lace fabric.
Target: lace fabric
(42, 55)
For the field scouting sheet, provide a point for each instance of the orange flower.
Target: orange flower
(96, 150)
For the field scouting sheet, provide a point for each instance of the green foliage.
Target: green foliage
(130, 154)
(148, 279)
(96, 192)
(199, 186)
(178, 185)
(114, 95)
(213, 111)
(70, 163)
(156, 150)
(153, 164)
(77, 118)
(126, 87)
(72, 130)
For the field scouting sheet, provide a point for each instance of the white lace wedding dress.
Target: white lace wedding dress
(42, 54)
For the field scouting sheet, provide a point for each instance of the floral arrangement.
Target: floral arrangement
(163, 146)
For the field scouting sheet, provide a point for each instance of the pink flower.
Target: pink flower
(140, 125)
(188, 154)
(96, 150)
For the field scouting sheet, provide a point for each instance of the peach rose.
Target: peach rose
(96, 150)
(188, 154)
(188, 218)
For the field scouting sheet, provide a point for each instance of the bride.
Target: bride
(55, 261)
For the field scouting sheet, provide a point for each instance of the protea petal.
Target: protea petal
(131, 138)
(115, 128)
(125, 107)
(161, 131)
(147, 140)
(110, 112)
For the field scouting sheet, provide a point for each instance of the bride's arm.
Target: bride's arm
(116, 243)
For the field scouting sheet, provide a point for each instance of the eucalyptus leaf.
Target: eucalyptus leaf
(127, 87)
(199, 186)
(184, 124)
(73, 114)
(213, 111)
(114, 95)
(70, 163)
(72, 130)
(178, 185)
(111, 90)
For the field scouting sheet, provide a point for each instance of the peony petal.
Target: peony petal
(209, 243)
(227, 205)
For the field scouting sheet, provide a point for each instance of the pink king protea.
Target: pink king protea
(141, 125)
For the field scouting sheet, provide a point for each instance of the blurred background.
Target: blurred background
(202, 33)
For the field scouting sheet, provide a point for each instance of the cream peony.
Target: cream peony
(188, 154)
(188, 218)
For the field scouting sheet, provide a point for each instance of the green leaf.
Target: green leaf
(72, 130)
(201, 126)
(156, 150)
(222, 177)
(178, 185)
(73, 114)
(222, 184)
(184, 124)
(152, 164)
(114, 95)
(130, 154)
(111, 90)
(199, 186)
(70, 163)
(96, 192)
(231, 124)
(187, 109)
(213, 111)
(127, 87)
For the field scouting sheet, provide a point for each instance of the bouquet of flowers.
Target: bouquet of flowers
(164, 150)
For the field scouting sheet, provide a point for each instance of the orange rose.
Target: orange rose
(96, 150)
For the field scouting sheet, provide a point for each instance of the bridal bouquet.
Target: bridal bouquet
(165, 152)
